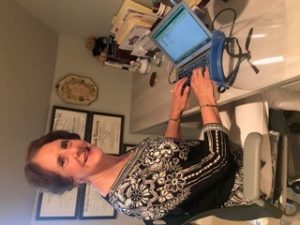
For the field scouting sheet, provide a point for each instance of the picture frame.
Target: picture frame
(53, 207)
(106, 132)
(94, 206)
(72, 120)
(127, 147)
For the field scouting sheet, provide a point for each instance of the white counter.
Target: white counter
(276, 37)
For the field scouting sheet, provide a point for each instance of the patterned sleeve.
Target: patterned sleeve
(216, 161)
(214, 127)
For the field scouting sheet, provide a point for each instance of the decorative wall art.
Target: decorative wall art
(77, 89)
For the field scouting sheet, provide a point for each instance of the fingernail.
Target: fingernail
(203, 70)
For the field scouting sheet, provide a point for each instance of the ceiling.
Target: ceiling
(74, 18)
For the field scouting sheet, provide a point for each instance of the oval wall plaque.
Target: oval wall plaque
(77, 89)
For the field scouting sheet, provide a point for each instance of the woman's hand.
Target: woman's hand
(179, 99)
(204, 91)
(203, 87)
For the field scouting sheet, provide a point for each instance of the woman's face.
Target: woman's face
(70, 158)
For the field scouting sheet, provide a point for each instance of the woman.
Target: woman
(162, 177)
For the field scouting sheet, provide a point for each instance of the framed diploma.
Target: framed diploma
(53, 206)
(94, 206)
(107, 132)
(71, 120)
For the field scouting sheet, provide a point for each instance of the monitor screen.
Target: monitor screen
(180, 34)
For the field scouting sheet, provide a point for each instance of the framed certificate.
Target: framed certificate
(53, 206)
(94, 206)
(107, 132)
(71, 120)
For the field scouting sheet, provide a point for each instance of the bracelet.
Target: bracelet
(175, 120)
(207, 105)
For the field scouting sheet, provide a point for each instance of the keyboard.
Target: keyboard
(187, 69)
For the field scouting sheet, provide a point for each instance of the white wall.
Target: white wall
(114, 85)
(114, 97)
(27, 62)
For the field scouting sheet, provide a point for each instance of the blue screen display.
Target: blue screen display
(181, 35)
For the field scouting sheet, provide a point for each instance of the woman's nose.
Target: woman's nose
(74, 149)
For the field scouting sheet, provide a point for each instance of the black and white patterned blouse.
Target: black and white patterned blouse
(166, 173)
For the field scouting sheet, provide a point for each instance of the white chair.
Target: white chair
(285, 147)
(260, 208)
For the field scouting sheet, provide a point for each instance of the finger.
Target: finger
(201, 70)
(186, 93)
(186, 90)
(178, 83)
(195, 74)
(206, 73)
(182, 82)
(198, 70)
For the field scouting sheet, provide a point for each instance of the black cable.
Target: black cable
(229, 45)
(233, 19)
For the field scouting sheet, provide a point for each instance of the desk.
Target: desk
(150, 105)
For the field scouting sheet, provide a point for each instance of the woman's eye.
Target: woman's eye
(61, 161)
(64, 144)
